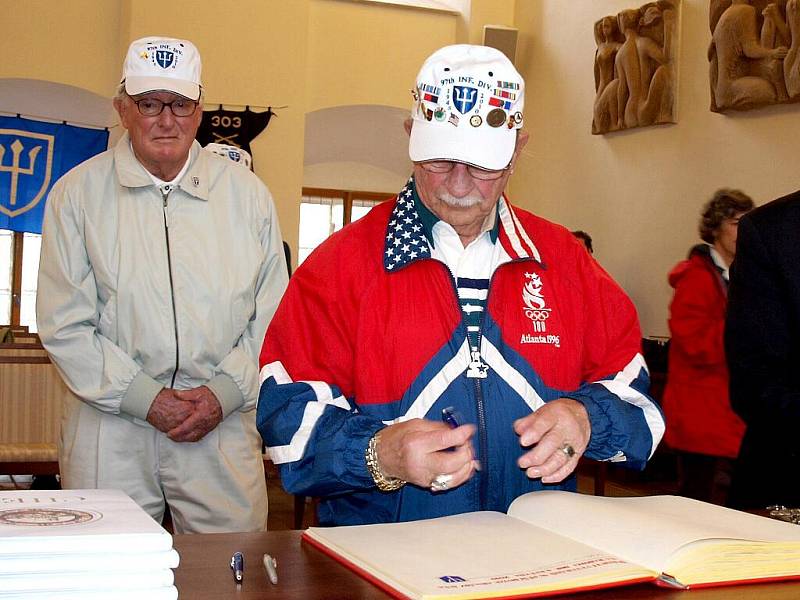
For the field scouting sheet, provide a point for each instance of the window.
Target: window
(31, 247)
(19, 270)
(324, 211)
(6, 270)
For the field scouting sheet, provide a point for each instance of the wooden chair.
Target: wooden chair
(15, 349)
(271, 472)
(27, 338)
(31, 393)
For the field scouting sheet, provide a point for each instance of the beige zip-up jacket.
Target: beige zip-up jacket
(138, 291)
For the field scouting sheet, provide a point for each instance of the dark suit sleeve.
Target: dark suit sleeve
(764, 378)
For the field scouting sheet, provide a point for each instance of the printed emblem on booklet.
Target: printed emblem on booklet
(47, 517)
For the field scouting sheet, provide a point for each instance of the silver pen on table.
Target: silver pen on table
(271, 565)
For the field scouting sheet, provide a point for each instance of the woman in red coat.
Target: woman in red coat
(701, 426)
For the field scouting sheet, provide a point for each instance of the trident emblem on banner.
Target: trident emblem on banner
(20, 165)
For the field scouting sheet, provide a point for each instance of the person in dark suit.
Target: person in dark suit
(761, 341)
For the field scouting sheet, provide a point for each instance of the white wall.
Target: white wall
(350, 175)
(638, 193)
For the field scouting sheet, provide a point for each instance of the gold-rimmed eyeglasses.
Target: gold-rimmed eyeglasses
(152, 107)
(445, 166)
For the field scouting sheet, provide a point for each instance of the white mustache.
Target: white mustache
(462, 201)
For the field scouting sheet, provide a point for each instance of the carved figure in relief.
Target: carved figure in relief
(608, 38)
(654, 45)
(641, 68)
(774, 30)
(744, 73)
(791, 64)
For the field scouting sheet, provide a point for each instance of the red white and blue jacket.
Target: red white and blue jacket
(370, 332)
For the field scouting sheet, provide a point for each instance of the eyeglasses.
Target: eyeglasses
(152, 107)
(445, 166)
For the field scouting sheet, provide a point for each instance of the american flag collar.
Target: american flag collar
(405, 235)
(406, 241)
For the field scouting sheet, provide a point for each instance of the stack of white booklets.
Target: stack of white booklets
(82, 545)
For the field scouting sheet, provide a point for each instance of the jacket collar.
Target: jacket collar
(406, 240)
(131, 173)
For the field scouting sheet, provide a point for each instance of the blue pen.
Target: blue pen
(237, 566)
(451, 417)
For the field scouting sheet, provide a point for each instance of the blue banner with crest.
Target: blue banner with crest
(33, 155)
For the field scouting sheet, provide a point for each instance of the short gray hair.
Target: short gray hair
(120, 92)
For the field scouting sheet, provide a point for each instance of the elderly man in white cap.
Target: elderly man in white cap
(161, 267)
(448, 351)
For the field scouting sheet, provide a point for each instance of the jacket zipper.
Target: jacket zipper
(483, 450)
(483, 439)
(165, 194)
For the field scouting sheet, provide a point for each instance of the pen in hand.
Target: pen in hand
(453, 418)
(237, 566)
(271, 565)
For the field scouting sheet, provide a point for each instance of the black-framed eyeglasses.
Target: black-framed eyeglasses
(152, 107)
(445, 166)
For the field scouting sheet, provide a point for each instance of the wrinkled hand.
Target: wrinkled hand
(168, 410)
(559, 422)
(205, 416)
(418, 450)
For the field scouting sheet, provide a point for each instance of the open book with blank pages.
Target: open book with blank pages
(553, 542)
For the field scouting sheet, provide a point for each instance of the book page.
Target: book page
(161, 593)
(644, 530)
(81, 521)
(19, 564)
(473, 555)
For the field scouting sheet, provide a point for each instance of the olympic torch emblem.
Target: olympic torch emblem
(535, 307)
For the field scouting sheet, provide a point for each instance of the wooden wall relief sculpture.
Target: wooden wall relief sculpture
(634, 68)
(754, 53)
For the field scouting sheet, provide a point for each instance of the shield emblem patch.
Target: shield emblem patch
(26, 162)
(464, 98)
(165, 58)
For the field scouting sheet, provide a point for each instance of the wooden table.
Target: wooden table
(305, 573)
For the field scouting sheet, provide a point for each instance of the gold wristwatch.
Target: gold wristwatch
(384, 483)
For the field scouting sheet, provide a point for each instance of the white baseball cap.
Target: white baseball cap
(234, 153)
(468, 105)
(159, 63)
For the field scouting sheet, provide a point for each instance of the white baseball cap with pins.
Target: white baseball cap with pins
(468, 104)
(160, 63)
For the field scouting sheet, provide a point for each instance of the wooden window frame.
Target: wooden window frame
(347, 197)
(18, 239)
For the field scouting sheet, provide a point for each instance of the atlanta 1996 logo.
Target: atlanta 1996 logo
(535, 306)
(536, 309)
